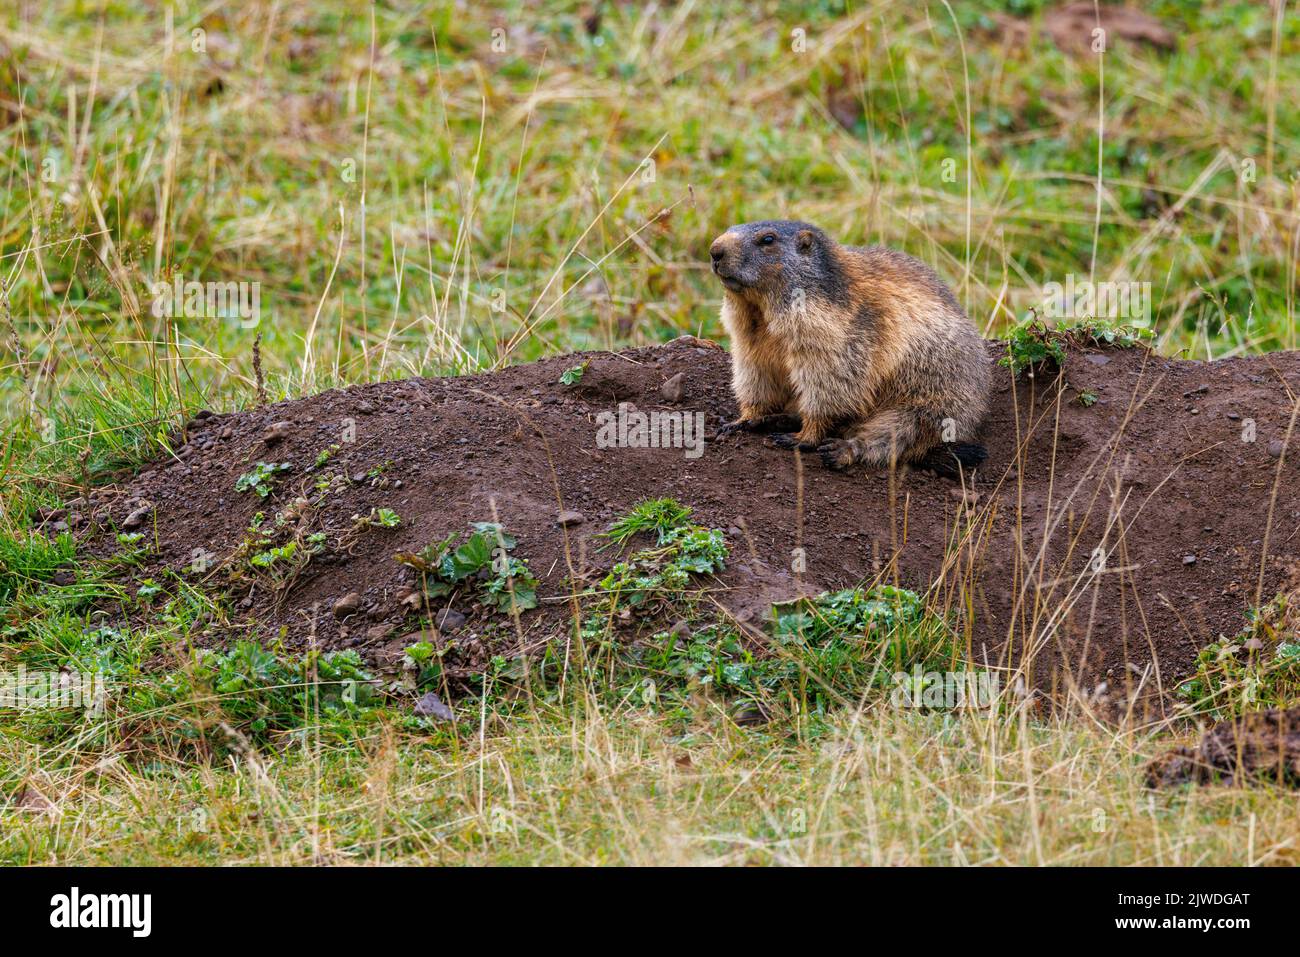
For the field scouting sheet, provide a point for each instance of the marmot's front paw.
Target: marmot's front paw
(788, 441)
(731, 428)
(837, 454)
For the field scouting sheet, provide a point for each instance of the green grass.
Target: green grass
(554, 195)
(31, 558)
(660, 516)
(568, 783)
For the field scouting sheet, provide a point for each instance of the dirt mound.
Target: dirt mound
(1072, 27)
(1131, 508)
(1264, 746)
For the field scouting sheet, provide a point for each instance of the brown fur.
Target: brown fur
(877, 362)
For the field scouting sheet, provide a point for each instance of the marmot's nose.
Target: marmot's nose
(717, 251)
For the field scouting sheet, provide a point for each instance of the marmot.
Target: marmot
(863, 350)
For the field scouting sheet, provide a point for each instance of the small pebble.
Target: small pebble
(276, 432)
(449, 619)
(569, 518)
(674, 390)
(137, 517)
(431, 706)
(347, 605)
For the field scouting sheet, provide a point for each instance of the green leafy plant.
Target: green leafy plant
(379, 518)
(147, 589)
(1033, 343)
(857, 637)
(573, 374)
(660, 573)
(262, 478)
(258, 691)
(324, 455)
(513, 585)
(822, 650)
(132, 549)
(275, 551)
(1257, 668)
(483, 555)
(825, 649)
(713, 656)
(280, 554)
(425, 660)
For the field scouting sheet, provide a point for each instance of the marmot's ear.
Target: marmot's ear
(804, 241)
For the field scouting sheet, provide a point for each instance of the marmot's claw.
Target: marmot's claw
(731, 428)
(788, 441)
(836, 454)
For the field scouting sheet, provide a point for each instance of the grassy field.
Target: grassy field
(435, 188)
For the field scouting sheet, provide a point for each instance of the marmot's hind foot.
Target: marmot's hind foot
(951, 459)
(837, 454)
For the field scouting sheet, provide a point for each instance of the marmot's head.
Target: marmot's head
(773, 259)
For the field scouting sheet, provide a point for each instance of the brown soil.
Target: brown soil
(1196, 523)
(1264, 746)
(1071, 27)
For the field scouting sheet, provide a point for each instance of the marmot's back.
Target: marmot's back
(934, 358)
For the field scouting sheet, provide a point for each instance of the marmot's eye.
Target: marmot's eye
(767, 239)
